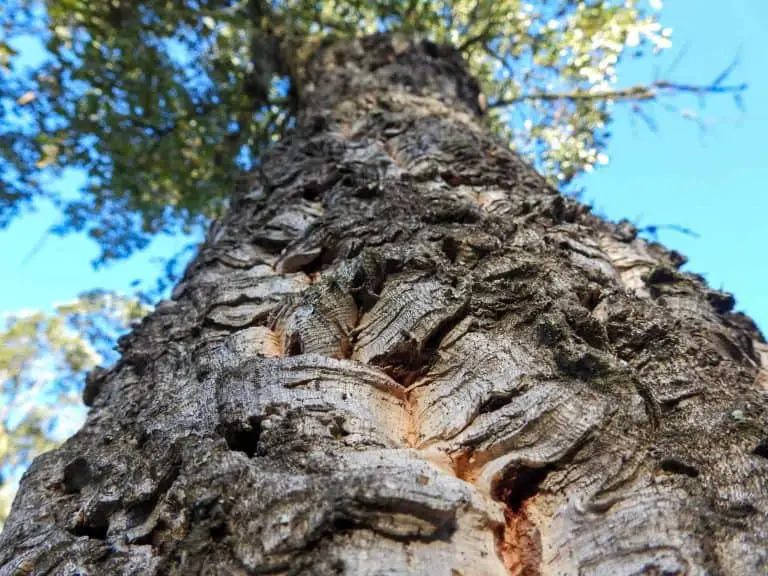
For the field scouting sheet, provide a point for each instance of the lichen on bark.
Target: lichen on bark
(404, 353)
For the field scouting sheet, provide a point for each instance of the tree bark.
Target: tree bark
(404, 353)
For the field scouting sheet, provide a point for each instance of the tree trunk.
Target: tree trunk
(404, 353)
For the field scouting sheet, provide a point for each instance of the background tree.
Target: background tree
(43, 362)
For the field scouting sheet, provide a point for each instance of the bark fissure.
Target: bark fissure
(403, 351)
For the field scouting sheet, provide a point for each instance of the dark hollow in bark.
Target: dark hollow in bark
(403, 352)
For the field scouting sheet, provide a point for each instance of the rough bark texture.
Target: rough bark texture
(404, 353)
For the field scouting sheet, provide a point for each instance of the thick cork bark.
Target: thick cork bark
(404, 353)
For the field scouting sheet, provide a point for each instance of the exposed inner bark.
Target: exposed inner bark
(404, 353)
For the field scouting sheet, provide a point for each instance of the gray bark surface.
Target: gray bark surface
(404, 353)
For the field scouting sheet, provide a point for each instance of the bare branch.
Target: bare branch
(653, 230)
(635, 93)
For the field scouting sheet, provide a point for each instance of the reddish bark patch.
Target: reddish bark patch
(520, 543)
(412, 427)
(462, 466)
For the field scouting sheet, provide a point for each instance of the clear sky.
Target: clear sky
(710, 181)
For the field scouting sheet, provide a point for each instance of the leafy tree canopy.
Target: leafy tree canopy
(161, 102)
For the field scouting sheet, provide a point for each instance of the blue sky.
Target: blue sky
(710, 181)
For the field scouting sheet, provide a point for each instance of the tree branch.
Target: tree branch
(636, 93)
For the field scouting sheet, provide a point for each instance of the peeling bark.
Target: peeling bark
(404, 353)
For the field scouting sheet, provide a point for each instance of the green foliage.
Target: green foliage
(161, 101)
(43, 361)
